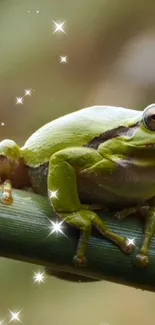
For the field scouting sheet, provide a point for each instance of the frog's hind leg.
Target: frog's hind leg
(62, 181)
(142, 259)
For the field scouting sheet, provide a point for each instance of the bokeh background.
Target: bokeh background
(110, 47)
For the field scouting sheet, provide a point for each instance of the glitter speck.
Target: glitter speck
(131, 242)
(59, 27)
(15, 316)
(63, 59)
(2, 124)
(53, 194)
(27, 92)
(19, 100)
(39, 277)
(56, 227)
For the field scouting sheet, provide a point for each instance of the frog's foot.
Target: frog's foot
(6, 197)
(142, 260)
(80, 260)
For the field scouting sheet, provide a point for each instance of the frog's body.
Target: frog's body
(109, 192)
(91, 127)
(75, 130)
(101, 155)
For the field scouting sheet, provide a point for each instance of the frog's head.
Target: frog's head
(136, 139)
(142, 133)
(11, 162)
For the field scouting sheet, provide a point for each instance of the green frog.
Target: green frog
(99, 156)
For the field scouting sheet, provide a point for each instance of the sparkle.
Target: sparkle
(37, 11)
(56, 227)
(53, 194)
(59, 27)
(19, 100)
(27, 92)
(63, 59)
(15, 316)
(39, 277)
(28, 11)
(2, 123)
(131, 241)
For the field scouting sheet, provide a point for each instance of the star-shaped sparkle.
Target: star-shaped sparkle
(15, 316)
(27, 92)
(53, 194)
(19, 100)
(63, 59)
(131, 241)
(59, 27)
(39, 277)
(56, 227)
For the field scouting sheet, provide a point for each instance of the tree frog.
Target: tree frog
(97, 156)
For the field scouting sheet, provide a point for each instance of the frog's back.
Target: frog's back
(75, 129)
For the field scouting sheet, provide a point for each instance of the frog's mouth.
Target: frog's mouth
(150, 145)
(127, 132)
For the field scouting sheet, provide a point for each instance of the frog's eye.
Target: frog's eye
(149, 117)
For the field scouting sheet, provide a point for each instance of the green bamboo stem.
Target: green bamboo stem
(24, 230)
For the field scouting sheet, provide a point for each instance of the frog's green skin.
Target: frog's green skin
(102, 155)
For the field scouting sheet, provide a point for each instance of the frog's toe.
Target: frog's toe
(6, 198)
(80, 261)
(119, 215)
(142, 260)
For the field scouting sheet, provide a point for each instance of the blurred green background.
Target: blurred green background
(111, 60)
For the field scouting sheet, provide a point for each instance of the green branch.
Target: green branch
(24, 230)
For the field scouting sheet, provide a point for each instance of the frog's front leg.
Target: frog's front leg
(141, 210)
(63, 166)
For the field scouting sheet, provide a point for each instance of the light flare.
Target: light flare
(52, 194)
(39, 277)
(28, 92)
(59, 27)
(131, 241)
(15, 316)
(63, 59)
(19, 100)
